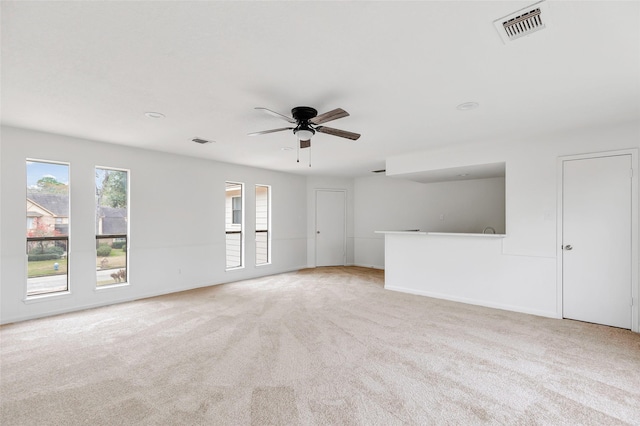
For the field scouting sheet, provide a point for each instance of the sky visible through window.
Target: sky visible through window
(38, 170)
(100, 178)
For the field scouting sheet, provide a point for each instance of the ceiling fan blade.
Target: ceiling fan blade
(277, 114)
(328, 116)
(264, 132)
(338, 132)
(305, 144)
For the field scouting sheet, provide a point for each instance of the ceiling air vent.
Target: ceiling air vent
(200, 141)
(523, 22)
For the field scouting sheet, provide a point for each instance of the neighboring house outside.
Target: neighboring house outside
(233, 225)
(48, 213)
(112, 230)
(111, 221)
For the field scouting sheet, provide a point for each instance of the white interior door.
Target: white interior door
(330, 228)
(596, 240)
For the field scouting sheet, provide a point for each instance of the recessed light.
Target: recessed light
(463, 175)
(467, 106)
(286, 148)
(154, 114)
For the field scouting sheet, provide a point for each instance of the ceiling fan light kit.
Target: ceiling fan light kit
(304, 134)
(307, 123)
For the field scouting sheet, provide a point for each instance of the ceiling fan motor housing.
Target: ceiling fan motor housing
(302, 115)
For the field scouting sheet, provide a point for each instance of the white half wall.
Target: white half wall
(177, 226)
(470, 270)
(384, 203)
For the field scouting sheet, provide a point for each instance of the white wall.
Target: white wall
(322, 182)
(169, 249)
(384, 203)
(531, 196)
(470, 269)
(166, 190)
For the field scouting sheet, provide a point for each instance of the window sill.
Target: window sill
(263, 264)
(238, 268)
(45, 297)
(110, 286)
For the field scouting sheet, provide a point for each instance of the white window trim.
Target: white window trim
(96, 287)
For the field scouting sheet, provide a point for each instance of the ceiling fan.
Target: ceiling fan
(307, 123)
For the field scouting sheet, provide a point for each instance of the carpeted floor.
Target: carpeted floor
(322, 346)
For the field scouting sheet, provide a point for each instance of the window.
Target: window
(112, 226)
(234, 203)
(236, 206)
(263, 225)
(47, 227)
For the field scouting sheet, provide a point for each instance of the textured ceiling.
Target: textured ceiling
(92, 69)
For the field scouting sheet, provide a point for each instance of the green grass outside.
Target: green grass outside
(43, 268)
(106, 282)
(116, 259)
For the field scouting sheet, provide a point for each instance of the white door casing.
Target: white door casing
(330, 227)
(597, 231)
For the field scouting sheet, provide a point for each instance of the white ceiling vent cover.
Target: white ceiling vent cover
(523, 22)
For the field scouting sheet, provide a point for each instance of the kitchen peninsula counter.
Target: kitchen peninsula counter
(455, 234)
(468, 267)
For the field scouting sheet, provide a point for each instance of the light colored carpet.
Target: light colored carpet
(323, 346)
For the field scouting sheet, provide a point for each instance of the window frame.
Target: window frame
(234, 210)
(235, 228)
(30, 297)
(122, 281)
(268, 224)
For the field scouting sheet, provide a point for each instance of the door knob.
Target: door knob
(568, 247)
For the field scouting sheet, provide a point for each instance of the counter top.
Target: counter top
(468, 234)
(406, 231)
(454, 234)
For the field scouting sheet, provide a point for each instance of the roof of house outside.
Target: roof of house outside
(58, 204)
(114, 220)
(114, 225)
(112, 212)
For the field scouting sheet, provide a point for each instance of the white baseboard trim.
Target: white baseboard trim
(512, 308)
(369, 266)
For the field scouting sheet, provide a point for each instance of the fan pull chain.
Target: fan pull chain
(298, 154)
(309, 156)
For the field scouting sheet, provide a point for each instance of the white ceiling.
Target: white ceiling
(92, 69)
